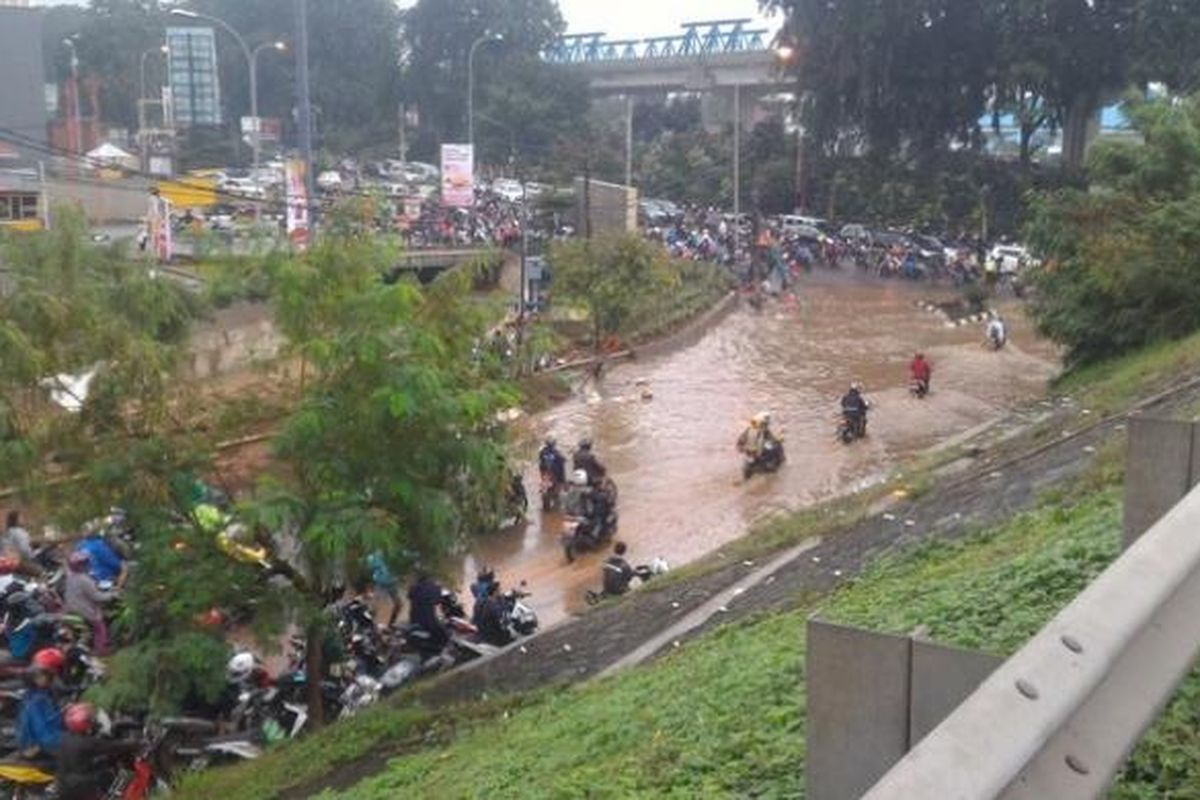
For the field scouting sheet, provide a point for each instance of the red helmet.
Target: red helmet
(78, 560)
(78, 717)
(50, 659)
(9, 564)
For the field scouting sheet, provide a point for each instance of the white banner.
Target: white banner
(458, 175)
(297, 204)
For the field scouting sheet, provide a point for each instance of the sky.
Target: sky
(637, 19)
(629, 19)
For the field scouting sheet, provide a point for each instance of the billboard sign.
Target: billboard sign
(192, 76)
(458, 175)
(297, 203)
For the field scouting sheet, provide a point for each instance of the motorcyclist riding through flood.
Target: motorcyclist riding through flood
(854, 414)
(761, 447)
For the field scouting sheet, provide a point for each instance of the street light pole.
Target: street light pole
(487, 37)
(737, 169)
(256, 132)
(142, 104)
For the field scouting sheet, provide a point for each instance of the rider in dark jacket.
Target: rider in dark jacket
(586, 460)
(424, 597)
(617, 571)
(490, 618)
(551, 460)
(854, 407)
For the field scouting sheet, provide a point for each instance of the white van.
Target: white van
(797, 223)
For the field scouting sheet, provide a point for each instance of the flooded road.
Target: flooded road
(672, 456)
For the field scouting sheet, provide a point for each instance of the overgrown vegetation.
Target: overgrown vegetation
(1122, 259)
(629, 287)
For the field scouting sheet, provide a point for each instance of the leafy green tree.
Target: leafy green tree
(438, 35)
(393, 446)
(1121, 259)
(68, 309)
(891, 74)
(612, 276)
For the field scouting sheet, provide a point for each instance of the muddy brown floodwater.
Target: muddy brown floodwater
(672, 456)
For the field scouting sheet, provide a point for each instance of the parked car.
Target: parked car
(856, 234)
(329, 181)
(1012, 258)
(793, 223)
(508, 189)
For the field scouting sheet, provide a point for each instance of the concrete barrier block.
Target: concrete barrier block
(858, 706)
(1158, 471)
(942, 677)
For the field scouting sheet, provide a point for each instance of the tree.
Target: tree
(68, 309)
(354, 59)
(1121, 260)
(892, 74)
(525, 107)
(438, 35)
(394, 446)
(613, 276)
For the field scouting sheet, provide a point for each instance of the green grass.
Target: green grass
(1114, 385)
(724, 716)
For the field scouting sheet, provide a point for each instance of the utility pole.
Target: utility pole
(737, 169)
(629, 140)
(305, 110)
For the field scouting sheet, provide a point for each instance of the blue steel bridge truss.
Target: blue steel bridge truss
(698, 39)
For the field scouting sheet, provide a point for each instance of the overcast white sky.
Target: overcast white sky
(629, 19)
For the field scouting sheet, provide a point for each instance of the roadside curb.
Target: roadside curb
(955, 322)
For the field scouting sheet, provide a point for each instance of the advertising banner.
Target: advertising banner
(158, 228)
(458, 175)
(297, 204)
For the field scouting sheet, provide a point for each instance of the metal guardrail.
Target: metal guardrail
(1059, 717)
(698, 39)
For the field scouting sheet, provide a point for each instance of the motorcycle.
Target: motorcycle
(769, 459)
(918, 388)
(852, 427)
(592, 519)
(641, 574)
(588, 533)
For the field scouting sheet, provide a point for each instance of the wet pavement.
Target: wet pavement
(665, 426)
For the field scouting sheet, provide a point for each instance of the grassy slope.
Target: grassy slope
(1114, 385)
(725, 715)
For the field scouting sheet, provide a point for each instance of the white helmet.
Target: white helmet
(579, 477)
(762, 418)
(241, 667)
